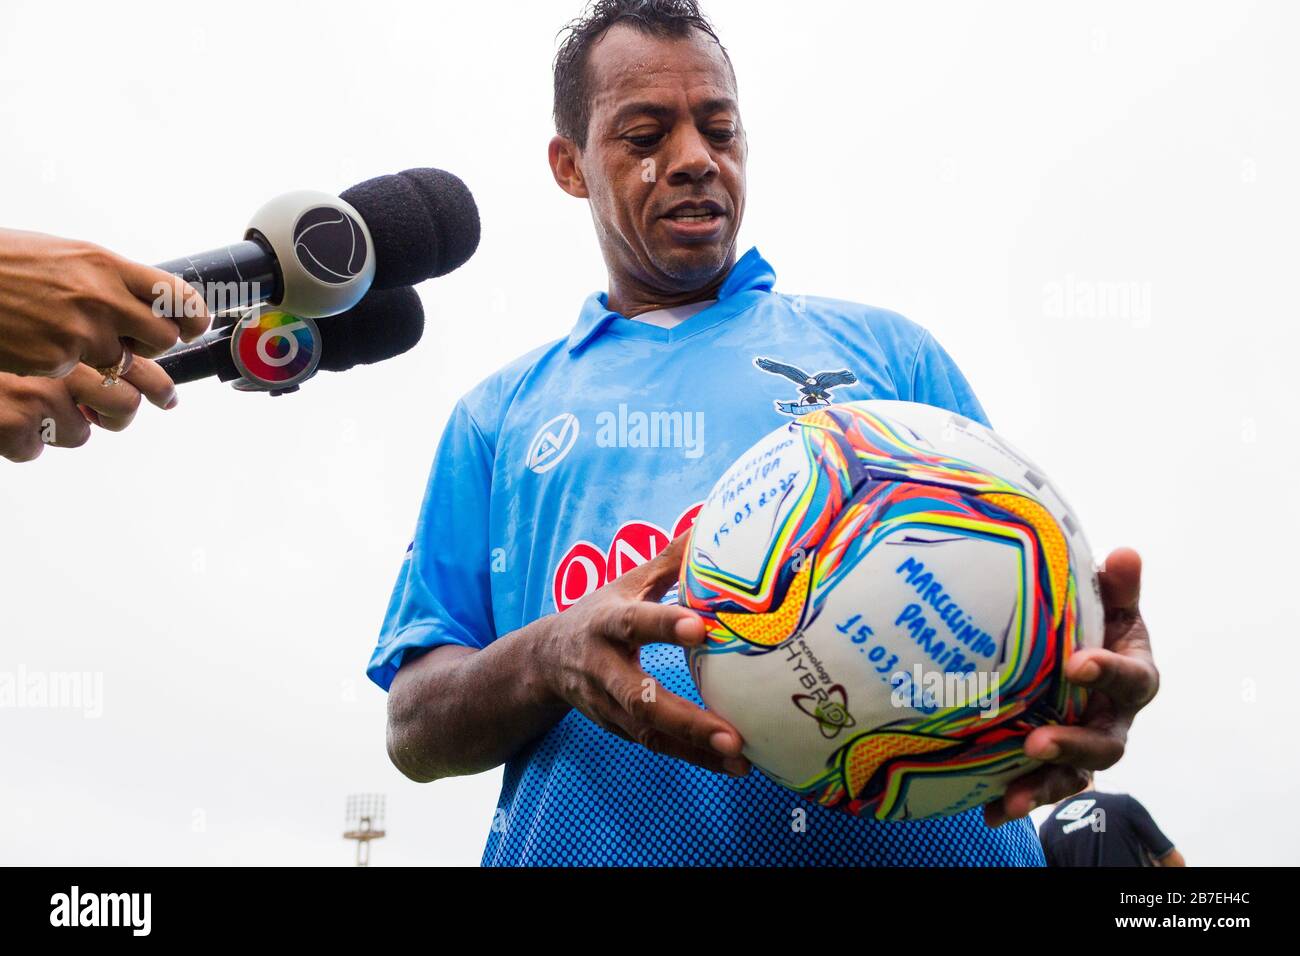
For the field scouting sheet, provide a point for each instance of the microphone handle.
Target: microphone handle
(208, 356)
(231, 277)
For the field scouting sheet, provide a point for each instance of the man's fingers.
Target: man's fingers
(1129, 679)
(608, 716)
(642, 620)
(708, 759)
(1043, 786)
(652, 580)
(653, 706)
(1123, 675)
(670, 734)
(178, 301)
(636, 623)
(1121, 581)
(1094, 747)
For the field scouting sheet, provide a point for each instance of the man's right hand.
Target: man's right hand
(63, 302)
(591, 657)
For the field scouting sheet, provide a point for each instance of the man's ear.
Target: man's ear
(564, 159)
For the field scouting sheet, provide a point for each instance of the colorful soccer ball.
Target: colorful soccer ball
(891, 592)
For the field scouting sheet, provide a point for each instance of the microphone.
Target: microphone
(315, 255)
(271, 350)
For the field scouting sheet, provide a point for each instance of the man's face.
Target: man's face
(664, 164)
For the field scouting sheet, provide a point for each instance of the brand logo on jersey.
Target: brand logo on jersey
(1078, 814)
(1096, 820)
(1075, 809)
(814, 390)
(552, 443)
(585, 568)
(829, 707)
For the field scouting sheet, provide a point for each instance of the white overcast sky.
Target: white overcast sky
(225, 566)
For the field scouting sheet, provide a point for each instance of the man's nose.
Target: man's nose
(690, 158)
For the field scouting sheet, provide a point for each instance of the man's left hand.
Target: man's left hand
(1121, 679)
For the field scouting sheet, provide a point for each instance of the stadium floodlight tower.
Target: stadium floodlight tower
(364, 821)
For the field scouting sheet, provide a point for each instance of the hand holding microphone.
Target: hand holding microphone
(317, 282)
(36, 411)
(64, 302)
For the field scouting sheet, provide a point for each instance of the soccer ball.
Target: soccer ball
(890, 592)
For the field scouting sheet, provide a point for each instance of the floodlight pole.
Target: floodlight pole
(364, 822)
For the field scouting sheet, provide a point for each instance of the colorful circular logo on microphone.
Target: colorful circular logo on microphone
(330, 244)
(275, 349)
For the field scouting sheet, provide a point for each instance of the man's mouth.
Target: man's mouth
(695, 212)
(696, 221)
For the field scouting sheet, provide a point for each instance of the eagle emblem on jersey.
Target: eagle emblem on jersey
(814, 390)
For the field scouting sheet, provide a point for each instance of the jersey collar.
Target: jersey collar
(751, 273)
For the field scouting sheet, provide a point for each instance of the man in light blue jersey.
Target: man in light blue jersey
(525, 627)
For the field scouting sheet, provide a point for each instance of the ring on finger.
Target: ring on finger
(113, 373)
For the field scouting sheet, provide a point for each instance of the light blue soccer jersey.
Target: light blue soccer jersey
(583, 459)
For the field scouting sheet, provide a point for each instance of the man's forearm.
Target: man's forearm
(458, 711)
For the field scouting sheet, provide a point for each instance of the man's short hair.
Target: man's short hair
(659, 18)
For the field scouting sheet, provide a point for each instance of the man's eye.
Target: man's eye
(722, 135)
(645, 140)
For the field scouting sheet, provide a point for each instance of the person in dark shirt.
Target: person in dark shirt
(1105, 829)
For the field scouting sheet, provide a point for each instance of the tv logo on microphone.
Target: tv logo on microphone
(275, 349)
(330, 244)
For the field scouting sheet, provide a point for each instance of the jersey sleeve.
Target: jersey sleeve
(1148, 834)
(937, 381)
(443, 591)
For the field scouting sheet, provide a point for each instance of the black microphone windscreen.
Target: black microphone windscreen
(424, 223)
(387, 322)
